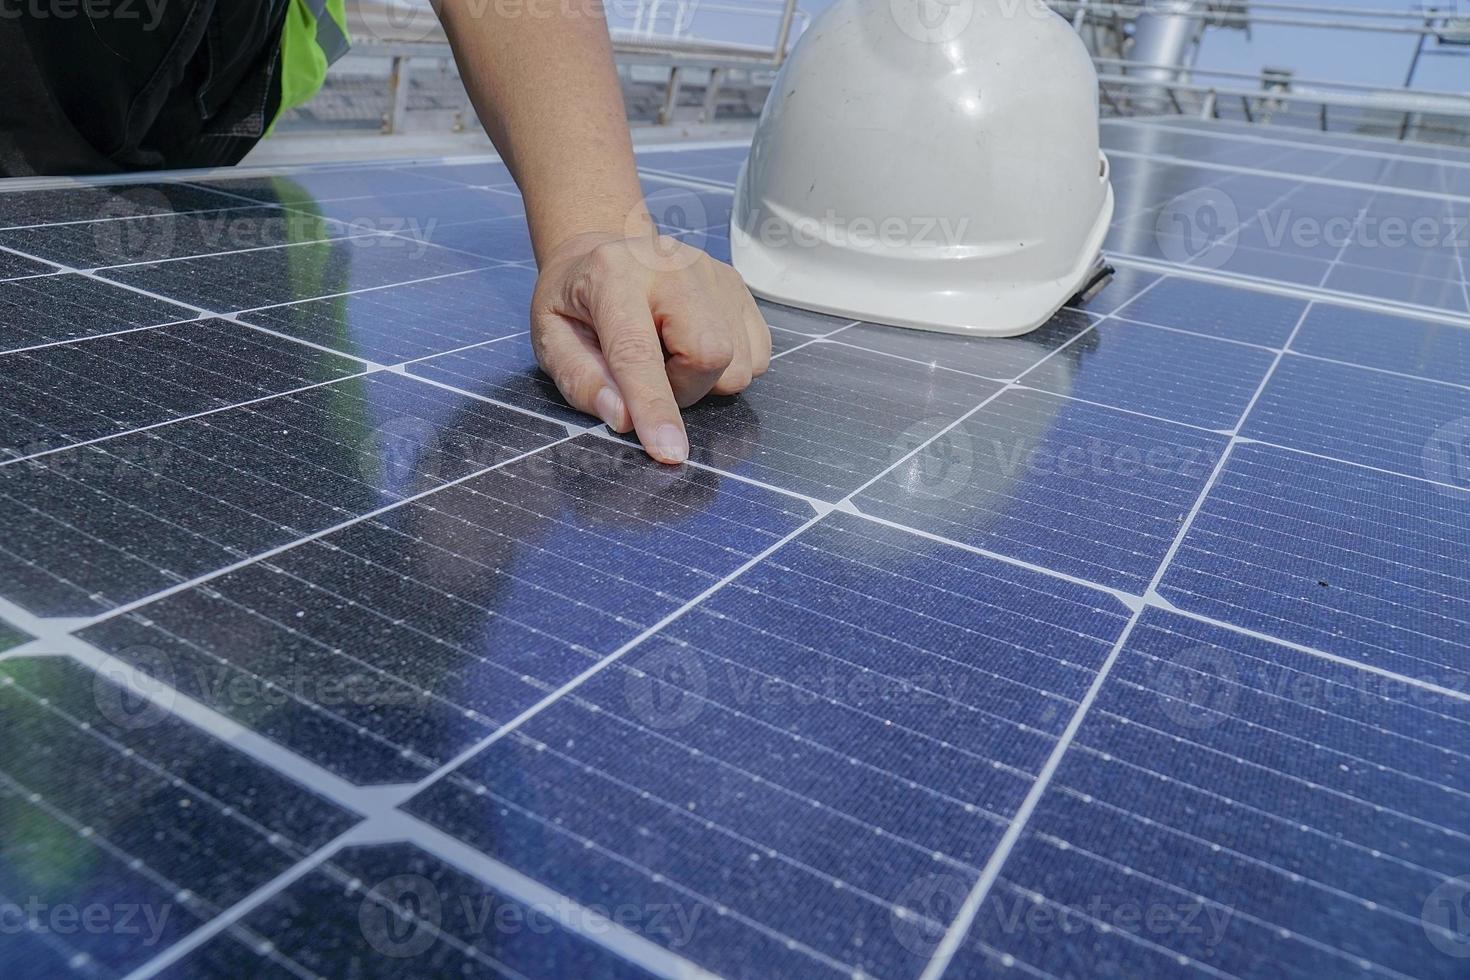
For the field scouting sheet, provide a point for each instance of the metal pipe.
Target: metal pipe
(1248, 19)
(1338, 11)
(1161, 40)
(1418, 55)
(783, 34)
(1392, 100)
(1126, 63)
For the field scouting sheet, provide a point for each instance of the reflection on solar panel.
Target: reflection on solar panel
(333, 643)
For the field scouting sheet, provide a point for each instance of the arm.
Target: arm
(630, 325)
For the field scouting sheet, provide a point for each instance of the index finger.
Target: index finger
(635, 355)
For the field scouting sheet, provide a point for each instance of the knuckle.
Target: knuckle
(631, 347)
(733, 384)
(540, 347)
(604, 260)
(712, 351)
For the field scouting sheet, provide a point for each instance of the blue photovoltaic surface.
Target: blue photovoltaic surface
(1437, 351)
(1217, 310)
(1351, 561)
(1184, 378)
(835, 725)
(564, 558)
(395, 903)
(1357, 415)
(113, 803)
(334, 643)
(1328, 804)
(1084, 490)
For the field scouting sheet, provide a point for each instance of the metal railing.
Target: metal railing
(665, 36)
(660, 34)
(1258, 105)
(1249, 17)
(677, 20)
(1145, 85)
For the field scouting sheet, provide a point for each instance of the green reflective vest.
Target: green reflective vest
(314, 36)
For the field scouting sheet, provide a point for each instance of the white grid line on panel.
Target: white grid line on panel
(965, 918)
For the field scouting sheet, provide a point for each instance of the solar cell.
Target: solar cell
(119, 201)
(503, 239)
(1341, 142)
(1357, 415)
(1001, 359)
(441, 621)
(68, 393)
(49, 309)
(227, 283)
(1438, 351)
(1232, 808)
(393, 324)
(125, 826)
(847, 683)
(114, 521)
(309, 187)
(1177, 376)
(1086, 490)
(14, 266)
(505, 370)
(348, 916)
(470, 174)
(802, 430)
(10, 637)
(1133, 646)
(1417, 290)
(1341, 558)
(105, 241)
(800, 321)
(1217, 310)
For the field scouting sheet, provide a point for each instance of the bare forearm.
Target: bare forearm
(541, 75)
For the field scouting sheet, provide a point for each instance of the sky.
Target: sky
(1330, 55)
(1347, 56)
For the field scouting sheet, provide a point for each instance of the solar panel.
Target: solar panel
(334, 643)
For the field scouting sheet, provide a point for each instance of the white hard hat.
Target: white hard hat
(928, 163)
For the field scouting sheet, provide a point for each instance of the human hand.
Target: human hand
(634, 328)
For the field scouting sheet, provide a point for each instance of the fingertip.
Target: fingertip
(668, 444)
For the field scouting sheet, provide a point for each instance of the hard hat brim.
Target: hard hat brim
(966, 305)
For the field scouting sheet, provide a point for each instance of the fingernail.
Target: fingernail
(670, 444)
(609, 407)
